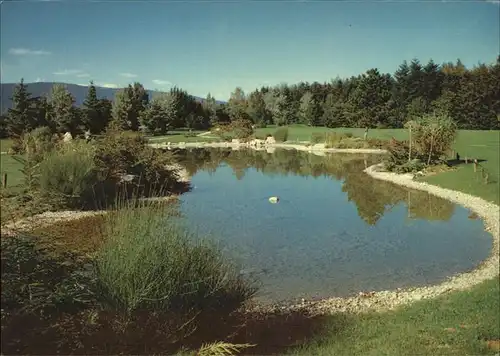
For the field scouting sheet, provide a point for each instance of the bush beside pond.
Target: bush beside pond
(82, 175)
(431, 138)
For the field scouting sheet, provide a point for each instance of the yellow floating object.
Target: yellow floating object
(274, 200)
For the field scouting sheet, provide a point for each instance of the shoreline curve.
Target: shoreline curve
(391, 299)
(364, 302)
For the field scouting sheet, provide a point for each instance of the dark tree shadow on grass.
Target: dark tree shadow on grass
(457, 162)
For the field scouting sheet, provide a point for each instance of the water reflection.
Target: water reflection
(373, 198)
(336, 230)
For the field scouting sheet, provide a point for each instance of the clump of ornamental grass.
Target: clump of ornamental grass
(149, 262)
(67, 176)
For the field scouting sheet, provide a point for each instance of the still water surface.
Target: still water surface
(335, 230)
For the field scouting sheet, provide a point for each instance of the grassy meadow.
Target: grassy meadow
(13, 170)
(5, 144)
(456, 324)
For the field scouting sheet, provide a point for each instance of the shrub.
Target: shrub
(281, 134)
(223, 130)
(348, 140)
(317, 137)
(149, 262)
(398, 152)
(376, 143)
(332, 139)
(398, 158)
(432, 136)
(82, 175)
(242, 128)
(119, 154)
(68, 176)
(352, 143)
(39, 142)
(413, 166)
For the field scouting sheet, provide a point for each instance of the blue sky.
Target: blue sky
(214, 46)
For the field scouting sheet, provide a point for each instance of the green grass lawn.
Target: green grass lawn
(481, 145)
(12, 168)
(303, 133)
(5, 144)
(453, 325)
(177, 136)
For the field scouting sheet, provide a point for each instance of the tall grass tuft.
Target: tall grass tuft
(149, 262)
(67, 176)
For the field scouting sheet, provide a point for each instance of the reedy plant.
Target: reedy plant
(149, 262)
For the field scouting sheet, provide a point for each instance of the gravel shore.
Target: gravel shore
(365, 301)
(318, 148)
(389, 300)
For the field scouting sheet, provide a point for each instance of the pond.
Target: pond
(334, 232)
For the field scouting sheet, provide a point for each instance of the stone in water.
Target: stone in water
(274, 200)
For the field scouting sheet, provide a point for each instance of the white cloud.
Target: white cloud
(68, 72)
(38, 80)
(128, 75)
(28, 52)
(495, 2)
(161, 82)
(107, 85)
(83, 75)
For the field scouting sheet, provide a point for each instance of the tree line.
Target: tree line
(373, 99)
(131, 109)
(470, 96)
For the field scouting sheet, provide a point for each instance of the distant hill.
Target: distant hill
(79, 92)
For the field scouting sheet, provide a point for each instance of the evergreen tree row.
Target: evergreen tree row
(373, 99)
